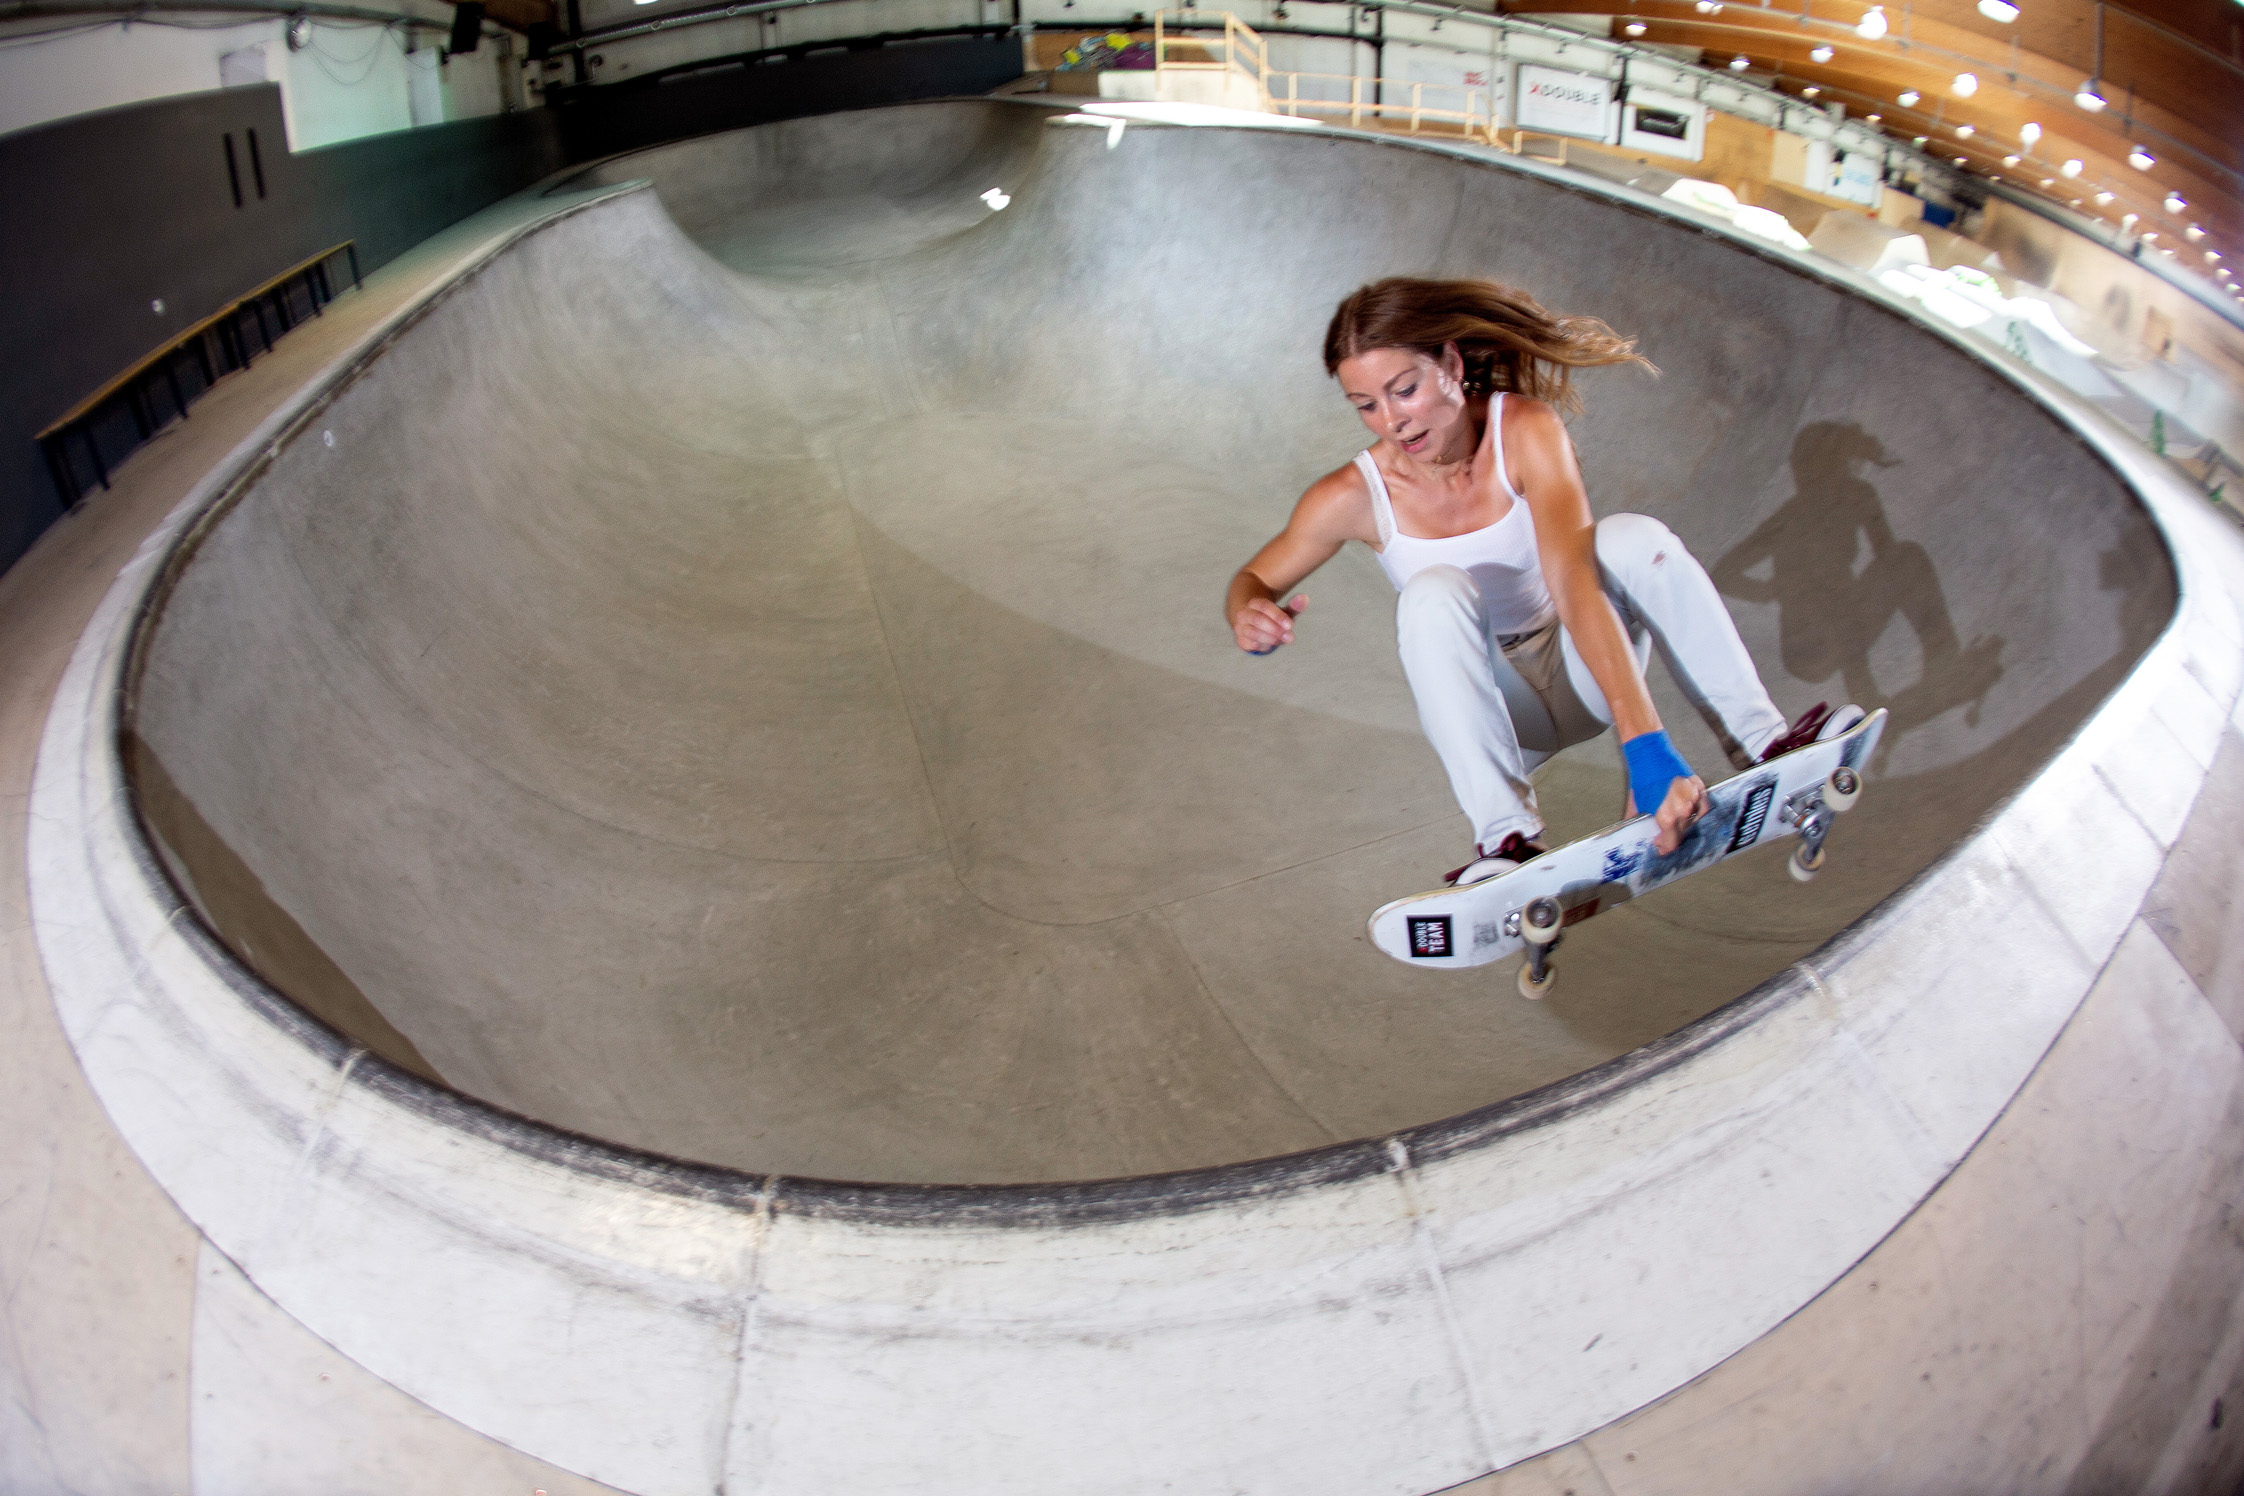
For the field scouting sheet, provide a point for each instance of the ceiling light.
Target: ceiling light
(2088, 98)
(1708, 7)
(1998, 10)
(1967, 84)
(1740, 63)
(2175, 202)
(2194, 233)
(2010, 160)
(2029, 132)
(1961, 162)
(2150, 236)
(2072, 168)
(1634, 28)
(1965, 132)
(1909, 97)
(1876, 119)
(2212, 256)
(1821, 54)
(2140, 159)
(1873, 25)
(2103, 199)
(1810, 91)
(2048, 181)
(2129, 220)
(1920, 141)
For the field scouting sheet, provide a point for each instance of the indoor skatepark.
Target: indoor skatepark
(972, 812)
(765, 740)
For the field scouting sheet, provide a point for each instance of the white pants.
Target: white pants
(1493, 725)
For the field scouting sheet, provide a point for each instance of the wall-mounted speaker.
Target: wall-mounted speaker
(467, 27)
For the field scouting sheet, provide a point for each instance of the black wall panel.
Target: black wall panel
(110, 212)
(601, 119)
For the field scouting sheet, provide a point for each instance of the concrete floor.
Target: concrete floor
(856, 630)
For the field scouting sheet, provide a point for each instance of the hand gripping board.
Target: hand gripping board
(1452, 928)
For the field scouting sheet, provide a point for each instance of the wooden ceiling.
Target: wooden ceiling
(2172, 75)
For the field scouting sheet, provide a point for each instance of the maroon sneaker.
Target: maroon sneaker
(1510, 853)
(1818, 724)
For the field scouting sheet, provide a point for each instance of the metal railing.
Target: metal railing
(1475, 121)
(1242, 53)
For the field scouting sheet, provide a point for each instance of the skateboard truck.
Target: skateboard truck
(1811, 812)
(1539, 925)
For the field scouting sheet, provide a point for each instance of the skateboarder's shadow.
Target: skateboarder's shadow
(1829, 612)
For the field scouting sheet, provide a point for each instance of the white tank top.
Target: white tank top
(1501, 557)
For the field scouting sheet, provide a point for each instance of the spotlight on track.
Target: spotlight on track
(2140, 159)
(1967, 84)
(1999, 11)
(1908, 98)
(2089, 97)
(1821, 54)
(1873, 25)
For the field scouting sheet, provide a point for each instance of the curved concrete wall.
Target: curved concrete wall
(1389, 1315)
(779, 718)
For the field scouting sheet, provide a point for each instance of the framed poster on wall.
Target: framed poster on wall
(1563, 103)
(1663, 125)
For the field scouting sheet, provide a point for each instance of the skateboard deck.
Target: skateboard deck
(1794, 796)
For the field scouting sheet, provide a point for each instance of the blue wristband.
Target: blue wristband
(1653, 764)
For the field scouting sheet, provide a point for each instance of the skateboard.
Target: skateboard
(1798, 795)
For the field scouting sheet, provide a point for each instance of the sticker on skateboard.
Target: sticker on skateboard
(1797, 796)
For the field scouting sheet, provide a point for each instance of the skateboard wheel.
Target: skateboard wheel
(1539, 921)
(1531, 989)
(1805, 863)
(1841, 789)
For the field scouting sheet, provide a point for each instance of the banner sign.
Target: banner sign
(1565, 103)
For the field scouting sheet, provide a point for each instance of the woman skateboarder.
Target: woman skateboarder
(1524, 624)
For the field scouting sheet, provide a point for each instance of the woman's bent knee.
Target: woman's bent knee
(1627, 542)
(1436, 597)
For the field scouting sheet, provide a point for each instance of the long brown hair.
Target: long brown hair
(1509, 343)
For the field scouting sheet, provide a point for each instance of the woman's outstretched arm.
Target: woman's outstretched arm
(1541, 458)
(1322, 523)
